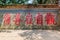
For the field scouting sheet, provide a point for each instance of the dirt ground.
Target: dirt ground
(29, 35)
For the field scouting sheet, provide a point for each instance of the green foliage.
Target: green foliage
(15, 2)
(47, 1)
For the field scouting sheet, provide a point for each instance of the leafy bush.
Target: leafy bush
(15, 2)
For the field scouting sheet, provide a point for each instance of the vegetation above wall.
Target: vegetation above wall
(25, 2)
(28, 3)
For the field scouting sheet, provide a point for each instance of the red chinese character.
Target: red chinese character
(6, 18)
(39, 19)
(50, 19)
(28, 19)
(17, 19)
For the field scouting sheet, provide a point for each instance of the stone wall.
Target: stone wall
(33, 11)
